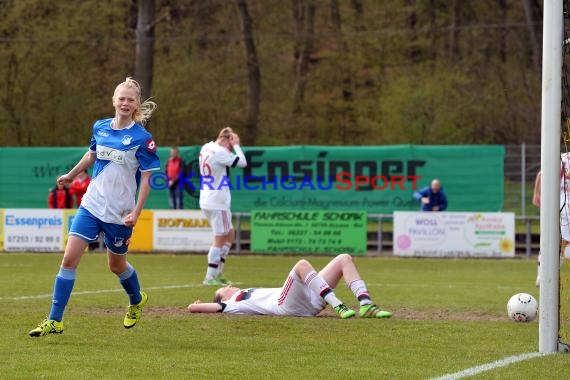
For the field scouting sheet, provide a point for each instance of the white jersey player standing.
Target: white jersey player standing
(216, 157)
(564, 209)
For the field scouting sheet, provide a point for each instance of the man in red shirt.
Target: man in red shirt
(59, 197)
(79, 187)
(175, 166)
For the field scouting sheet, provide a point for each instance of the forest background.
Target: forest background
(280, 72)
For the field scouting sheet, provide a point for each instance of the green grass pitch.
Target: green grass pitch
(449, 315)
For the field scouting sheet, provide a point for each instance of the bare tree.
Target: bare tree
(253, 73)
(504, 14)
(532, 10)
(347, 91)
(304, 13)
(454, 32)
(145, 46)
(359, 11)
(347, 78)
(358, 7)
(413, 50)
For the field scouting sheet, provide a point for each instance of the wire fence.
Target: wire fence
(522, 163)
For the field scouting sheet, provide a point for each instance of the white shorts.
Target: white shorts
(297, 299)
(220, 220)
(564, 224)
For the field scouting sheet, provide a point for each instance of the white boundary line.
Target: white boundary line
(21, 298)
(489, 366)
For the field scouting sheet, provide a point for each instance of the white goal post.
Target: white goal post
(550, 168)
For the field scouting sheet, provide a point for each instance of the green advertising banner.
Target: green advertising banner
(377, 179)
(322, 232)
(26, 175)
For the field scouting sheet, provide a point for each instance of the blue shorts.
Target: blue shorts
(87, 227)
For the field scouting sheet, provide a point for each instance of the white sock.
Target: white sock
(225, 252)
(360, 291)
(318, 285)
(214, 256)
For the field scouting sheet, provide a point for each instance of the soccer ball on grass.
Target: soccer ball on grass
(522, 307)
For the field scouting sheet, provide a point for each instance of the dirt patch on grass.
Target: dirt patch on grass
(401, 313)
(425, 315)
(408, 313)
(164, 311)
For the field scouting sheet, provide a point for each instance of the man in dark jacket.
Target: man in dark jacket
(432, 197)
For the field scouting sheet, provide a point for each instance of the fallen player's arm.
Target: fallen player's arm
(205, 307)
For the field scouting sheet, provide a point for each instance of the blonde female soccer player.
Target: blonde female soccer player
(123, 154)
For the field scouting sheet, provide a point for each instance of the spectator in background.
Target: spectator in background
(432, 197)
(78, 186)
(216, 157)
(59, 196)
(174, 167)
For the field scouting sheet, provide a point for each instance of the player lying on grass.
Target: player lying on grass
(305, 293)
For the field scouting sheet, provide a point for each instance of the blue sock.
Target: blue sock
(130, 282)
(62, 288)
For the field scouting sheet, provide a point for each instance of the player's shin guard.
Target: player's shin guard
(317, 284)
(214, 258)
(360, 291)
(225, 251)
(62, 288)
(130, 282)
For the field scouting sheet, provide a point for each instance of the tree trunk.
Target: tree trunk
(534, 22)
(253, 73)
(343, 48)
(298, 17)
(305, 21)
(504, 76)
(413, 50)
(433, 33)
(359, 11)
(503, 11)
(344, 63)
(145, 46)
(454, 32)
